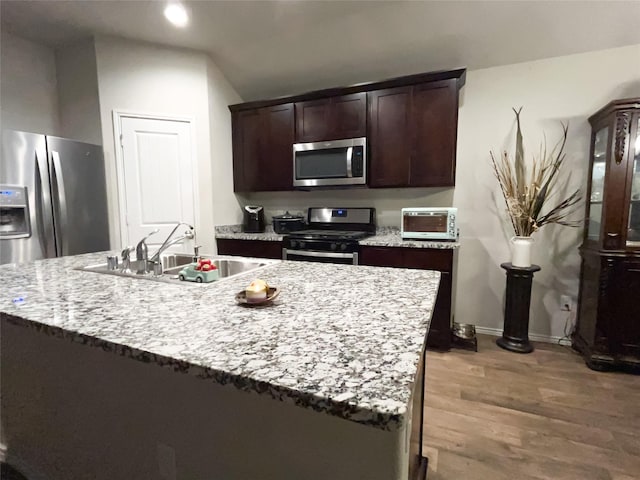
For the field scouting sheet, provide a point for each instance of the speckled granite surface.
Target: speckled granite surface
(234, 232)
(385, 237)
(340, 339)
(390, 237)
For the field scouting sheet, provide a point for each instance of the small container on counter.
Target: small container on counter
(288, 223)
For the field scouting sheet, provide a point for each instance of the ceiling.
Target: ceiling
(273, 48)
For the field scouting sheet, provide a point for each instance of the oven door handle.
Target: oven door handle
(304, 253)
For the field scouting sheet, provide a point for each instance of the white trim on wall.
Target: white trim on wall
(118, 115)
(496, 332)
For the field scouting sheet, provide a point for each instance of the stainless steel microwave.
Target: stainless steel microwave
(423, 223)
(334, 163)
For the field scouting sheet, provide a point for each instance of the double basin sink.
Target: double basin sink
(172, 263)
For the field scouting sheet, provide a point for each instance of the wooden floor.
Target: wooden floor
(495, 415)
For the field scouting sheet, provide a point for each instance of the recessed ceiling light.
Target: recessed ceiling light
(177, 14)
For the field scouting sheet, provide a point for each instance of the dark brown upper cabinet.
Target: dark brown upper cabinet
(410, 124)
(332, 118)
(412, 135)
(262, 148)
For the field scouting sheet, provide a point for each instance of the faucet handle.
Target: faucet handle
(196, 252)
(126, 253)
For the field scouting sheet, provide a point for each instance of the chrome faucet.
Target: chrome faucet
(188, 235)
(142, 254)
(147, 264)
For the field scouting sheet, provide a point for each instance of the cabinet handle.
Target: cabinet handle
(623, 124)
(635, 270)
(613, 235)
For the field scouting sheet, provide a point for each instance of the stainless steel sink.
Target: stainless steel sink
(172, 263)
(226, 267)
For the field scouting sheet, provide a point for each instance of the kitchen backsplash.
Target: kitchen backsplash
(387, 202)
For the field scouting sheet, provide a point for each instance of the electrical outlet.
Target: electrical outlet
(166, 462)
(566, 304)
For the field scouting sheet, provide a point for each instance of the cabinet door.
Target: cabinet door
(312, 120)
(250, 248)
(348, 116)
(440, 329)
(276, 156)
(626, 309)
(434, 121)
(633, 222)
(381, 257)
(599, 148)
(246, 133)
(333, 118)
(390, 146)
(615, 203)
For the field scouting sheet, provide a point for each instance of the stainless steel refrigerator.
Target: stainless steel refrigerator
(53, 198)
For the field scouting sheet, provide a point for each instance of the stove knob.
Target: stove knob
(334, 246)
(293, 243)
(343, 246)
(301, 244)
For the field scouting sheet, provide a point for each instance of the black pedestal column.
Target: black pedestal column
(515, 335)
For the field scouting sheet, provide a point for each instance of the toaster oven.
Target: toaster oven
(428, 223)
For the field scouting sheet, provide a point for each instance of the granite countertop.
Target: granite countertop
(340, 339)
(390, 237)
(384, 237)
(234, 232)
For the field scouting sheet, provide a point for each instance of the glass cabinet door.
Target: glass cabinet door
(633, 233)
(597, 182)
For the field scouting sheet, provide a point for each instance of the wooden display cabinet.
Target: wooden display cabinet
(608, 327)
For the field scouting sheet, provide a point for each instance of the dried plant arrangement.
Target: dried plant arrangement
(529, 194)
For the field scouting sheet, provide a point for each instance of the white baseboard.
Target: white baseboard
(496, 332)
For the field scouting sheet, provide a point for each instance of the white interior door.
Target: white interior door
(157, 178)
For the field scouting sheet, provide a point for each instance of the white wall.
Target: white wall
(77, 80)
(569, 88)
(226, 208)
(27, 86)
(142, 78)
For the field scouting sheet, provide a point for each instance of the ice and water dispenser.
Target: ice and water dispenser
(14, 212)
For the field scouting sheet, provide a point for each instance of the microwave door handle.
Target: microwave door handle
(349, 161)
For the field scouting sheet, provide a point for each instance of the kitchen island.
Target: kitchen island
(323, 384)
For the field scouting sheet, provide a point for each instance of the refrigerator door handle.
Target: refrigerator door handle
(43, 206)
(61, 203)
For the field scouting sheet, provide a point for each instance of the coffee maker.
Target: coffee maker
(253, 221)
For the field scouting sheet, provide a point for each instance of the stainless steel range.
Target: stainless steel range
(332, 236)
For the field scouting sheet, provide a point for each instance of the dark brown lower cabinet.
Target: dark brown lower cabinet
(442, 260)
(608, 328)
(250, 248)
